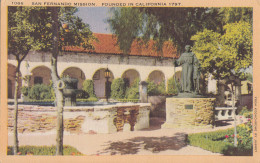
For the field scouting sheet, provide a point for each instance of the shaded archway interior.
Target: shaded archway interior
(77, 73)
(130, 76)
(157, 77)
(99, 81)
(40, 75)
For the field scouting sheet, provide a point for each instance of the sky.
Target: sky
(95, 17)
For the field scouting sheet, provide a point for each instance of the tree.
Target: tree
(73, 33)
(236, 14)
(227, 54)
(160, 24)
(48, 29)
(20, 42)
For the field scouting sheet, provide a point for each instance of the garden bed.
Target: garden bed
(222, 141)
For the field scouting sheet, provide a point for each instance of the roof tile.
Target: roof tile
(107, 44)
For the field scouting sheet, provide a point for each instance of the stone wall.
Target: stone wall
(79, 120)
(189, 112)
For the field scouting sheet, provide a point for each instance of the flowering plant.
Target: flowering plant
(244, 135)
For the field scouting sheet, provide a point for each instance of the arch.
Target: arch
(130, 76)
(157, 76)
(40, 75)
(99, 81)
(11, 81)
(77, 73)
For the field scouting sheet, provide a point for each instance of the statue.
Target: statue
(196, 75)
(190, 70)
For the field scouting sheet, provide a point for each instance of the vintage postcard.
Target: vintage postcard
(143, 81)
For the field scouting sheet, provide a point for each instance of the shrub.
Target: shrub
(90, 99)
(161, 88)
(243, 110)
(246, 113)
(155, 89)
(25, 90)
(88, 88)
(133, 91)
(152, 88)
(40, 92)
(173, 87)
(43, 150)
(118, 88)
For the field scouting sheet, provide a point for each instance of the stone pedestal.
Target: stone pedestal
(189, 112)
(143, 92)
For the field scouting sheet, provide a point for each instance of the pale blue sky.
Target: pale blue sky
(95, 17)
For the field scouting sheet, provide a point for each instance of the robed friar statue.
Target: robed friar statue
(190, 71)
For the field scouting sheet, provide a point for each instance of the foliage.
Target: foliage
(249, 77)
(244, 110)
(222, 141)
(25, 90)
(132, 92)
(248, 114)
(160, 24)
(44, 150)
(88, 88)
(40, 92)
(40, 28)
(118, 88)
(223, 55)
(90, 99)
(129, 100)
(161, 88)
(173, 87)
(236, 14)
(155, 89)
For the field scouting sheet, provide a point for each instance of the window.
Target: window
(38, 80)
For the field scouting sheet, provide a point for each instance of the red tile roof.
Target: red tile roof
(107, 44)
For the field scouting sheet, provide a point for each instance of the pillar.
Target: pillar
(143, 91)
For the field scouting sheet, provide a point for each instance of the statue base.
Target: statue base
(189, 112)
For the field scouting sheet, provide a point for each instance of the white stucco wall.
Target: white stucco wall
(90, 63)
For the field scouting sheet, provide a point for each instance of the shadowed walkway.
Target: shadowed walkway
(153, 144)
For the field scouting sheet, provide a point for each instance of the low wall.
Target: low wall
(82, 119)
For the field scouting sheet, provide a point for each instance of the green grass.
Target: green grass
(43, 150)
(215, 142)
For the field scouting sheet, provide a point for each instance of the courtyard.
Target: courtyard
(151, 141)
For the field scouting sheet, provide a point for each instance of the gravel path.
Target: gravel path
(153, 141)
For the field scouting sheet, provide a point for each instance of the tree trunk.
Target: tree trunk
(55, 79)
(221, 85)
(16, 84)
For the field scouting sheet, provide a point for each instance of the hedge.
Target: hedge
(173, 87)
(128, 100)
(88, 88)
(118, 88)
(40, 92)
(133, 91)
(155, 89)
